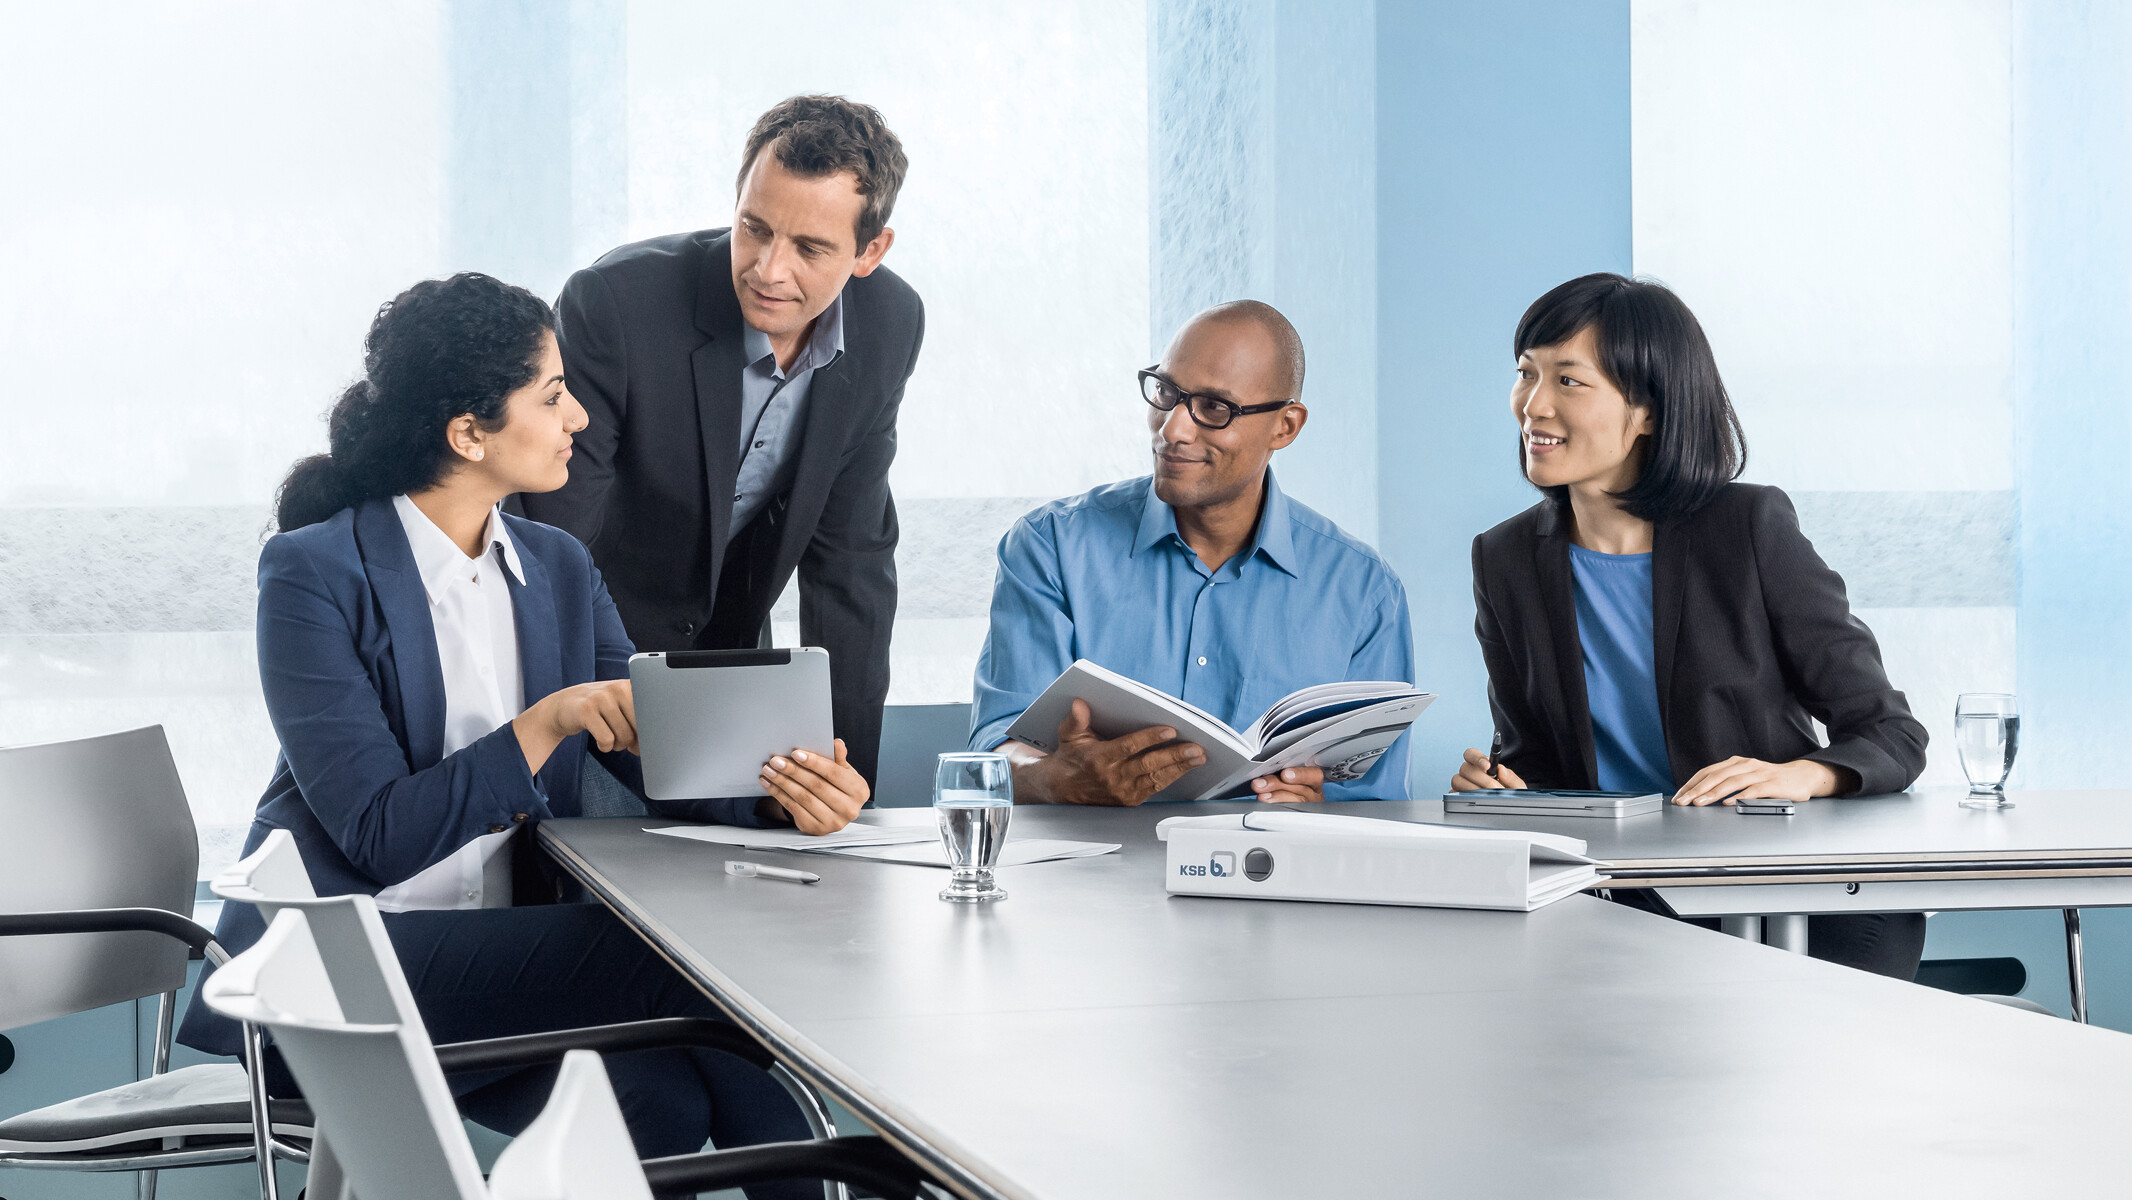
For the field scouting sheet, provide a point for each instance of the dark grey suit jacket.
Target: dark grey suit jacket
(1752, 636)
(651, 343)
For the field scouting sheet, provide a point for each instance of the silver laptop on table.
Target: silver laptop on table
(1523, 803)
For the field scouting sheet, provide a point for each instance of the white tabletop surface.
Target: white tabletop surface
(1093, 1037)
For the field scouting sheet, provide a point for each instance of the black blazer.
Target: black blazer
(651, 343)
(1753, 635)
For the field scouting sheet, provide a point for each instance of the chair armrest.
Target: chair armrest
(866, 1162)
(198, 939)
(529, 1049)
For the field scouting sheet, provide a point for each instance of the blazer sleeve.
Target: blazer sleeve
(1830, 658)
(611, 651)
(848, 580)
(391, 822)
(588, 331)
(1526, 747)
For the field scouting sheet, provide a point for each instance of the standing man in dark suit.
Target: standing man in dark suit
(742, 387)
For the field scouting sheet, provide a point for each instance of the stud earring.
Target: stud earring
(477, 456)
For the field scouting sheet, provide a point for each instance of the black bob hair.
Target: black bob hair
(440, 350)
(1652, 349)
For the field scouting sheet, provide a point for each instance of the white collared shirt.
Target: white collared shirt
(477, 645)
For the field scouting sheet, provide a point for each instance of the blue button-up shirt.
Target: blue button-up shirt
(1105, 577)
(773, 409)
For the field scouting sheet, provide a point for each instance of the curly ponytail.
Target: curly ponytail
(442, 349)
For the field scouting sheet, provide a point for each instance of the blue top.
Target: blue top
(1620, 679)
(1105, 577)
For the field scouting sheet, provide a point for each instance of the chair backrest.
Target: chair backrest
(578, 1148)
(376, 1085)
(274, 879)
(96, 823)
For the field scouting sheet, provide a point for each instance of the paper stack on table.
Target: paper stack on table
(854, 834)
(918, 845)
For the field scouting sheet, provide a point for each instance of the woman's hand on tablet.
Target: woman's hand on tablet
(819, 796)
(605, 710)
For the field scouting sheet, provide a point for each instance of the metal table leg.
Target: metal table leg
(1786, 932)
(2075, 968)
(1749, 928)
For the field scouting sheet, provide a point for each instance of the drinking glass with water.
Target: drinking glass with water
(973, 795)
(1987, 730)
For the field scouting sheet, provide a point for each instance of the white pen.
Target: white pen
(758, 871)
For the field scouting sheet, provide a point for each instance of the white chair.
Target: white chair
(374, 1080)
(96, 871)
(274, 879)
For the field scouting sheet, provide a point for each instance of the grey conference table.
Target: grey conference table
(1909, 852)
(1091, 1037)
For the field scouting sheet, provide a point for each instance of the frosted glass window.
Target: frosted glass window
(1840, 218)
(204, 204)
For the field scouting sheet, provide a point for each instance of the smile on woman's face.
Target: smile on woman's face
(1578, 430)
(531, 453)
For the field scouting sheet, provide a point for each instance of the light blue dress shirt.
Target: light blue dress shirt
(773, 410)
(1620, 678)
(1104, 576)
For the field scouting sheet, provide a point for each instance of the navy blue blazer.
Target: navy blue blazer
(348, 661)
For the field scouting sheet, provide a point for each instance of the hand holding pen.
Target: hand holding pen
(1480, 771)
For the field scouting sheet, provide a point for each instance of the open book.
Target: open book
(1287, 855)
(1342, 727)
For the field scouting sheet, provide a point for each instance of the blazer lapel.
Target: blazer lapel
(717, 364)
(1669, 583)
(1559, 599)
(540, 650)
(830, 405)
(389, 562)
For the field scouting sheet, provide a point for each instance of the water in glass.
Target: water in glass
(1987, 732)
(973, 796)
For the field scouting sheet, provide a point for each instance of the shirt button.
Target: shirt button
(758, 445)
(736, 497)
(518, 816)
(1202, 660)
(486, 669)
(473, 895)
(687, 628)
(498, 828)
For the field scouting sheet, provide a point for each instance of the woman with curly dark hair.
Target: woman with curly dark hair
(436, 672)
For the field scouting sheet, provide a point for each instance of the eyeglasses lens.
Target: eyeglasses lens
(1165, 396)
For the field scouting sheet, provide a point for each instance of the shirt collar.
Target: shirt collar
(1275, 537)
(438, 559)
(824, 346)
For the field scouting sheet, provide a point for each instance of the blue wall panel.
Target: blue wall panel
(1503, 169)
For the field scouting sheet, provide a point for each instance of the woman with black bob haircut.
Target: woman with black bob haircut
(1652, 625)
(436, 672)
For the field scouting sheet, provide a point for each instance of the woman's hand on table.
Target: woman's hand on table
(817, 795)
(1473, 774)
(1739, 778)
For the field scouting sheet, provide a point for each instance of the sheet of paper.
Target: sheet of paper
(1013, 854)
(854, 834)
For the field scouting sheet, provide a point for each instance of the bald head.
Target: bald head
(1283, 347)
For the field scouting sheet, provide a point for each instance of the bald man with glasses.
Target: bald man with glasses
(1202, 579)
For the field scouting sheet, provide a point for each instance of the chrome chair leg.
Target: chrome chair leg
(166, 1007)
(262, 1120)
(819, 1122)
(2076, 971)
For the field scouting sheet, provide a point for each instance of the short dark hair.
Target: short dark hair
(1653, 349)
(1287, 343)
(438, 351)
(814, 136)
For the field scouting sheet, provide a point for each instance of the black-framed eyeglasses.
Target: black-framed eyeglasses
(1208, 412)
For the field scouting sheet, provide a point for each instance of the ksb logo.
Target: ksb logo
(1221, 866)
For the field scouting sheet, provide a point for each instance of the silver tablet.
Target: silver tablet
(707, 720)
(1521, 803)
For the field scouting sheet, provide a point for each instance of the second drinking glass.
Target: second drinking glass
(973, 795)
